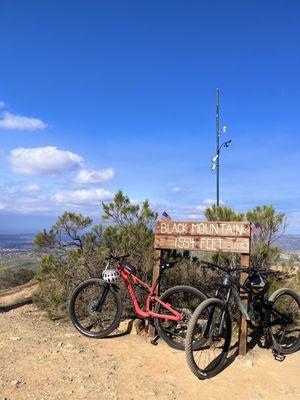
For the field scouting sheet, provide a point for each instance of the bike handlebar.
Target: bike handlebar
(117, 258)
(230, 270)
(213, 266)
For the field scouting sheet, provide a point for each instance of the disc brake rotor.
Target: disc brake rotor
(92, 308)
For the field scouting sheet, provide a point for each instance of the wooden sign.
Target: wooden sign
(216, 236)
(205, 236)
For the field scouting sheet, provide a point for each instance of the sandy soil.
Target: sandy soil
(41, 359)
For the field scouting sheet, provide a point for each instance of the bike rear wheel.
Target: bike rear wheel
(183, 299)
(285, 321)
(95, 308)
(204, 328)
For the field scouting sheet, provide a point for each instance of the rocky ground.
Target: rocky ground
(41, 359)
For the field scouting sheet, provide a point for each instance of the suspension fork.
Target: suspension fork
(102, 297)
(224, 312)
(211, 313)
(210, 318)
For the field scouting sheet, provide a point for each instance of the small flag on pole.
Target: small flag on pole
(165, 217)
(256, 228)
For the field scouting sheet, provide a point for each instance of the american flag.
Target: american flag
(165, 217)
(256, 229)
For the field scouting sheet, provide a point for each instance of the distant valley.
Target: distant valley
(24, 242)
(17, 251)
(289, 242)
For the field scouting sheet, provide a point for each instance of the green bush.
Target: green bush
(75, 251)
(14, 277)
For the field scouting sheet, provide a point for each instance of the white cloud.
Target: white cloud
(91, 176)
(176, 189)
(2, 206)
(82, 196)
(195, 216)
(43, 161)
(207, 203)
(33, 187)
(2, 104)
(135, 202)
(293, 222)
(13, 121)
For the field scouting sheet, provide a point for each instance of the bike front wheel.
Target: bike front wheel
(285, 321)
(95, 308)
(184, 299)
(210, 328)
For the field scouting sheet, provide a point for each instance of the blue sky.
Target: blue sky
(99, 96)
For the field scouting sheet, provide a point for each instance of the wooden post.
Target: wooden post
(245, 262)
(212, 236)
(155, 274)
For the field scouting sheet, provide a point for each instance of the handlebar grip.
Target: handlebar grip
(213, 266)
(117, 258)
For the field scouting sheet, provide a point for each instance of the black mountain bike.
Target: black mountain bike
(276, 318)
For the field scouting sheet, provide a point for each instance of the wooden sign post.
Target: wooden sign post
(224, 237)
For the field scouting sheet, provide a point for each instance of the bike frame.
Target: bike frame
(152, 298)
(233, 288)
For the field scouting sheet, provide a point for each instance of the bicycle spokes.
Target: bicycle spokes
(94, 311)
(209, 338)
(285, 321)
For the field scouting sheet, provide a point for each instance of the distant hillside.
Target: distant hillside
(25, 241)
(289, 242)
(20, 241)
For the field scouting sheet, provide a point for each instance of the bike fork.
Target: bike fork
(99, 304)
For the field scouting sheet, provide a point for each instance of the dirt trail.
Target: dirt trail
(41, 359)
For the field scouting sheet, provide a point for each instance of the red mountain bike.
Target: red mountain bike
(96, 307)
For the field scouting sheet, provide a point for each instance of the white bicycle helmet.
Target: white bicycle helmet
(110, 275)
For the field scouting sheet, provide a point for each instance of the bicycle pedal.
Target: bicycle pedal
(154, 341)
(279, 357)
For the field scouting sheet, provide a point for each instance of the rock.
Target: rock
(132, 326)
(136, 326)
(69, 334)
(248, 363)
(14, 338)
(18, 296)
(245, 361)
(125, 326)
(152, 393)
(15, 383)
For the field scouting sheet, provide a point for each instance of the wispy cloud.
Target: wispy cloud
(31, 187)
(207, 203)
(86, 176)
(176, 189)
(43, 161)
(2, 104)
(82, 196)
(195, 216)
(14, 121)
(294, 221)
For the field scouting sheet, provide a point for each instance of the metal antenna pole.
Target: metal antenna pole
(218, 145)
